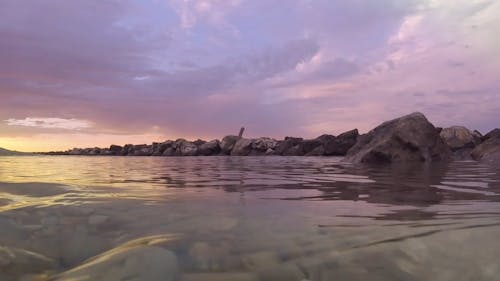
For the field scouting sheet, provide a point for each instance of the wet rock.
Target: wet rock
(339, 145)
(495, 133)
(261, 146)
(143, 259)
(116, 149)
(458, 137)
(411, 138)
(160, 148)
(288, 146)
(142, 150)
(170, 151)
(209, 148)
(306, 146)
(318, 151)
(199, 142)
(187, 148)
(242, 147)
(227, 144)
(489, 149)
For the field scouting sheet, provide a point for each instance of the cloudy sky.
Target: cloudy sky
(96, 72)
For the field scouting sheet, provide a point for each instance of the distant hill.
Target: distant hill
(5, 152)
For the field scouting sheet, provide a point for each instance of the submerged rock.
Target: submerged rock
(143, 259)
(16, 261)
(411, 138)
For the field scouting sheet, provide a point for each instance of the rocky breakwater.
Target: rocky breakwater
(411, 138)
(325, 145)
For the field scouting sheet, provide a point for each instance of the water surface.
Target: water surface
(253, 218)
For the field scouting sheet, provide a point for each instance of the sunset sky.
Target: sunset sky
(96, 72)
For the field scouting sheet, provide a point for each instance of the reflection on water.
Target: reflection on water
(248, 218)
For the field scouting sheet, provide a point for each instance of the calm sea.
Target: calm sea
(252, 218)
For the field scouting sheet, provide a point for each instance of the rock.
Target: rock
(260, 146)
(411, 138)
(142, 259)
(18, 261)
(128, 149)
(169, 151)
(286, 147)
(495, 133)
(115, 149)
(318, 151)
(489, 149)
(209, 148)
(187, 148)
(199, 142)
(142, 150)
(458, 137)
(339, 145)
(227, 144)
(242, 147)
(304, 147)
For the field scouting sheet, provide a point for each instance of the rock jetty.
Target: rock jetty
(410, 138)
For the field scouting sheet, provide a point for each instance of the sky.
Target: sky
(96, 72)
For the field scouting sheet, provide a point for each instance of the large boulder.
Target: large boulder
(489, 149)
(495, 133)
(187, 148)
(209, 148)
(339, 145)
(159, 148)
(116, 149)
(411, 138)
(143, 259)
(142, 150)
(288, 146)
(263, 146)
(227, 144)
(242, 147)
(458, 137)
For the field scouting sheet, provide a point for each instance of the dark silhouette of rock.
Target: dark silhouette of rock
(286, 147)
(263, 146)
(186, 148)
(115, 149)
(242, 147)
(209, 148)
(227, 144)
(493, 133)
(339, 145)
(411, 138)
(489, 149)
